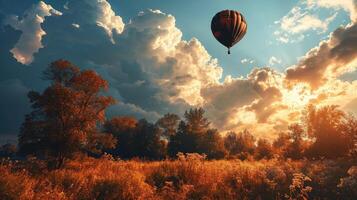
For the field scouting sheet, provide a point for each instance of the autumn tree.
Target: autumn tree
(281, 144)
(297, 145)
(123, 129)
(212, 144)
(326, 127)
(66, 115)
(349, 130)
(192, 135)
(263, 150)
(136, 138)
(240, 145)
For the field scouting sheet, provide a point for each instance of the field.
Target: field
(189, 177)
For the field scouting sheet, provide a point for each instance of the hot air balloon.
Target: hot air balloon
(228, 27)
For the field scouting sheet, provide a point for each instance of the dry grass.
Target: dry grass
(190, 177)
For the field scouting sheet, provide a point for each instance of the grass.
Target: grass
(189, 177)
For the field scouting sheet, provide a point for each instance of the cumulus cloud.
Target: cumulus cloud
(30, 25)
(257, 97)
(102, 14)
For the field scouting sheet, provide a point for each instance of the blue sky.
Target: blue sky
(259, 44)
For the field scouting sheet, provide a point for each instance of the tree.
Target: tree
(147, 141)
(189, 132)
(281, 144)
(169, 124)
(325, 126)
(240, 145)
(123, 129)
(212, 145)
(297, 146)
(349, 130)
(263, 150)
(192, 135)
(65, 116)
(136, 139)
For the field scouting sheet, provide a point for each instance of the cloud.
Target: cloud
(330, 59)
(30, 25)
(347, 5)
(247, 60)
(273, 61)
(301, 19)
(298, 21)
(102, 14)
(257, 97)
(152, 70)
(76, 25)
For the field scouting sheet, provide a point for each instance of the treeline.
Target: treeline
(329, 133)
(68, 119)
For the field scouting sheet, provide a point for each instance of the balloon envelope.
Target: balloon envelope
(228, 27)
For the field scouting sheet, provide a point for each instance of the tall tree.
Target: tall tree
(281, 144)
(189, 132)
(148, 142)
(169, 124)
(325, 125)
(194, 136)
(65, 115)
(297, 145)
(123, 129)
(212, 144)
(136, 139)
(349, 130)
(240, 145)
(263, 150)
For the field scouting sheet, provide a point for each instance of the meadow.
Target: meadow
(188, 177)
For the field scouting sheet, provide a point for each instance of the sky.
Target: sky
(160, 56)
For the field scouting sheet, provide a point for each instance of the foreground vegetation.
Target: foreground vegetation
(189, 177)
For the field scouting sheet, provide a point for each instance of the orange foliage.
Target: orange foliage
(189, 177)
